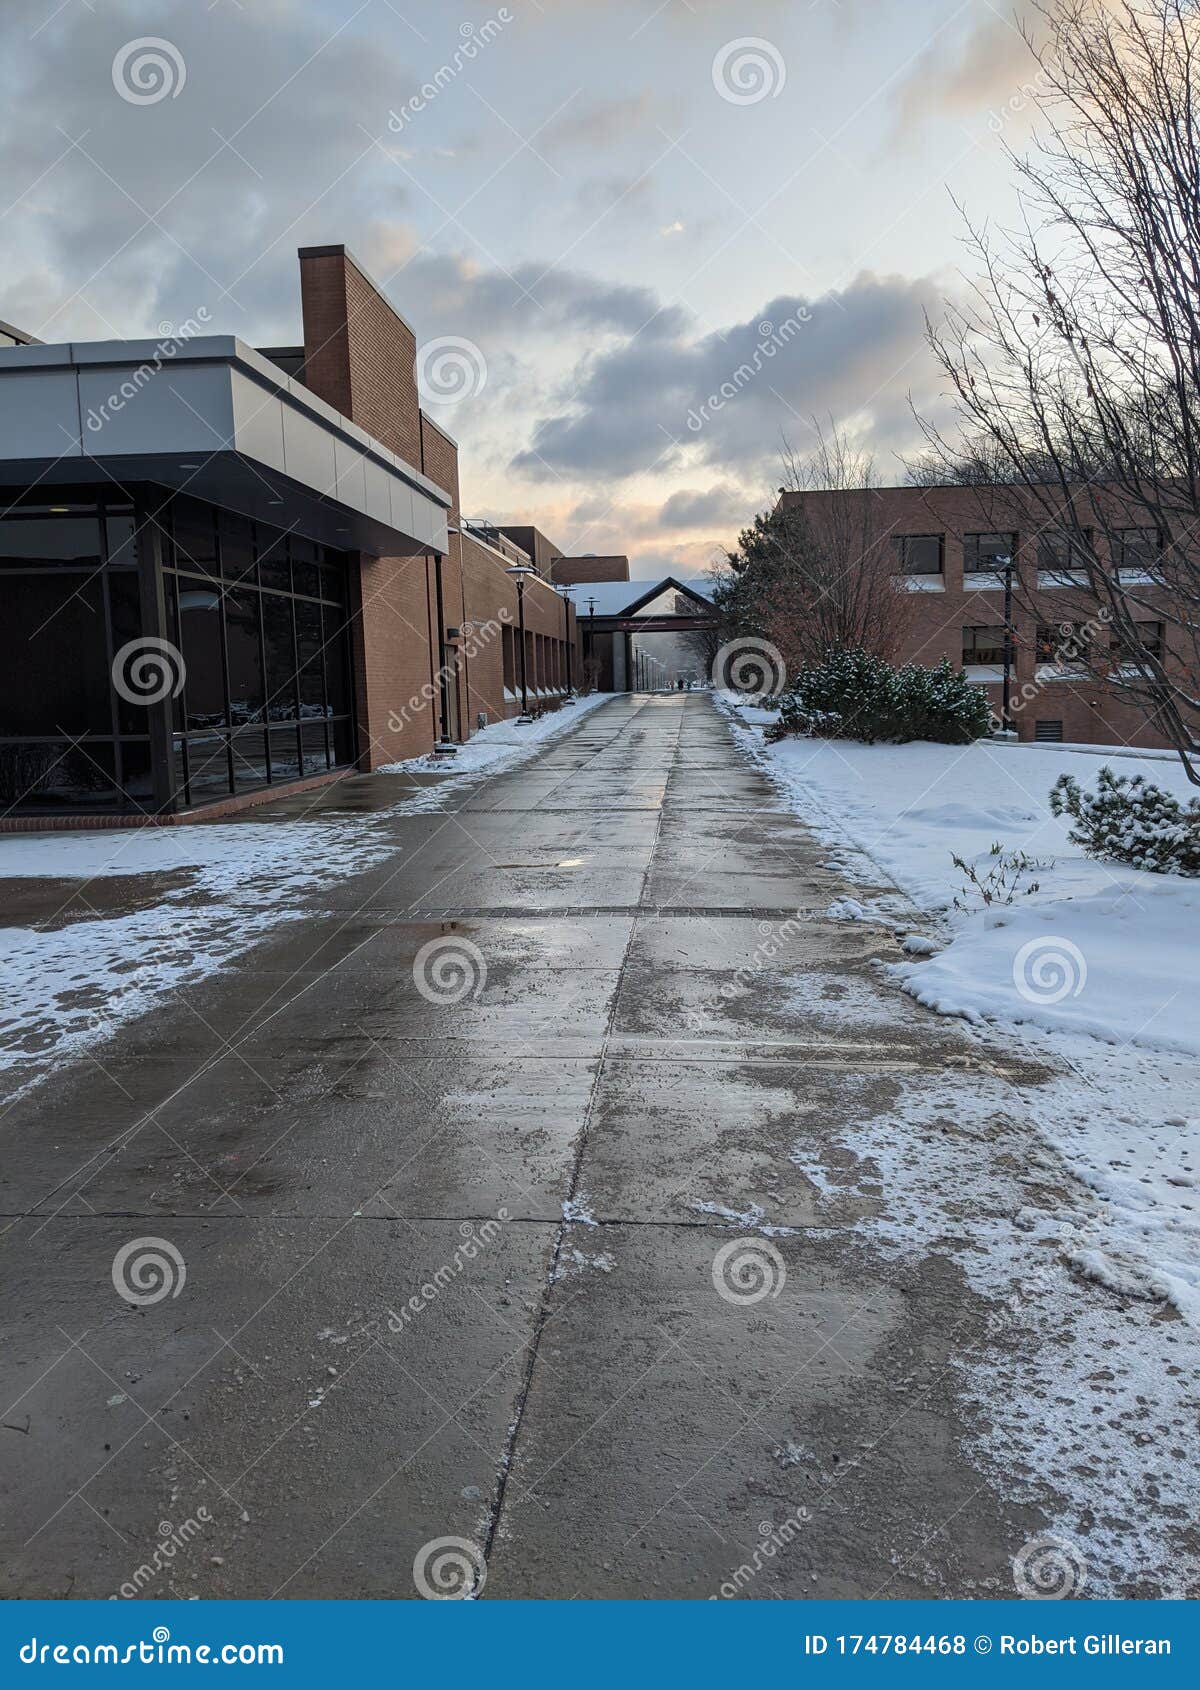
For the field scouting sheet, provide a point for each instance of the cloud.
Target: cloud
(725, 398)
(141, 212)
(448, 293)
(977, 69)
(717, 507)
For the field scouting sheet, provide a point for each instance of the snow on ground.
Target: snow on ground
(1097, 972)
(504, 744)
(68, 982)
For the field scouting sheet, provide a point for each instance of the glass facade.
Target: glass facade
(260, 619)
(69, 586)
(256, 661)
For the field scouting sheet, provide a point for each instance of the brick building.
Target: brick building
(948, 548)
(227, 572)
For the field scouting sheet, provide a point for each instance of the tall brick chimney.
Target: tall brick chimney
(359, 353)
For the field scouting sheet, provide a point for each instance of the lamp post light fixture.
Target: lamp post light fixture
(520, 573)
(564, 592)
(591, 638)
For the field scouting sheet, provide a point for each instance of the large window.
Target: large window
(1063, 557)
(1063, 646)
(261, 620)
(1150, 641)
(1139, 553)
(920, 554)
(988, 554)
(983, 647)
(69, 584)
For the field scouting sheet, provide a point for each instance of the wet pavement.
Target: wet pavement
(506, 1197)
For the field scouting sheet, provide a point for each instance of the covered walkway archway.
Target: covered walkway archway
(643, 635)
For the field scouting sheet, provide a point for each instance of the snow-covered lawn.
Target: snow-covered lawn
(1097, 972)
(67, 983)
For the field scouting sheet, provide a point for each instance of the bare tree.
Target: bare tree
(815, 574)
(1076, 364)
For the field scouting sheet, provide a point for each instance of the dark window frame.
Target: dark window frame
(1051, 641)
(975, 659)
(1052, 562)
(1155, 645)
(1157, 544)
(102, 508)
(905, 543)
(972, 547)
(330, 573)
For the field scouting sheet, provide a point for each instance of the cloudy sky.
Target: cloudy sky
(615, 204)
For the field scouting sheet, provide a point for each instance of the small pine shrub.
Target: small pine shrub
(855, 695)
(1128, 820)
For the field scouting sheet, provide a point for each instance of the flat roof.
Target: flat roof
(215, 416)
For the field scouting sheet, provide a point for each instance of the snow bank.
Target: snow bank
(503, 744)
(1098, 972)
(1099, 949)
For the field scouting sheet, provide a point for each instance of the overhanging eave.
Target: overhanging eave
(218, 420)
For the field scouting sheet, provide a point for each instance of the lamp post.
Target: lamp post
(1006, 705)
(520, 573)
(565, 593)
(591, 639)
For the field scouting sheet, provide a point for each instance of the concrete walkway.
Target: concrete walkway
(570, 1265)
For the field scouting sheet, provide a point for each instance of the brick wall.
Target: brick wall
(491, 598)
(359, 356)
(568, 571)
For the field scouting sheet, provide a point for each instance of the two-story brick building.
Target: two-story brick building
(959, 555)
